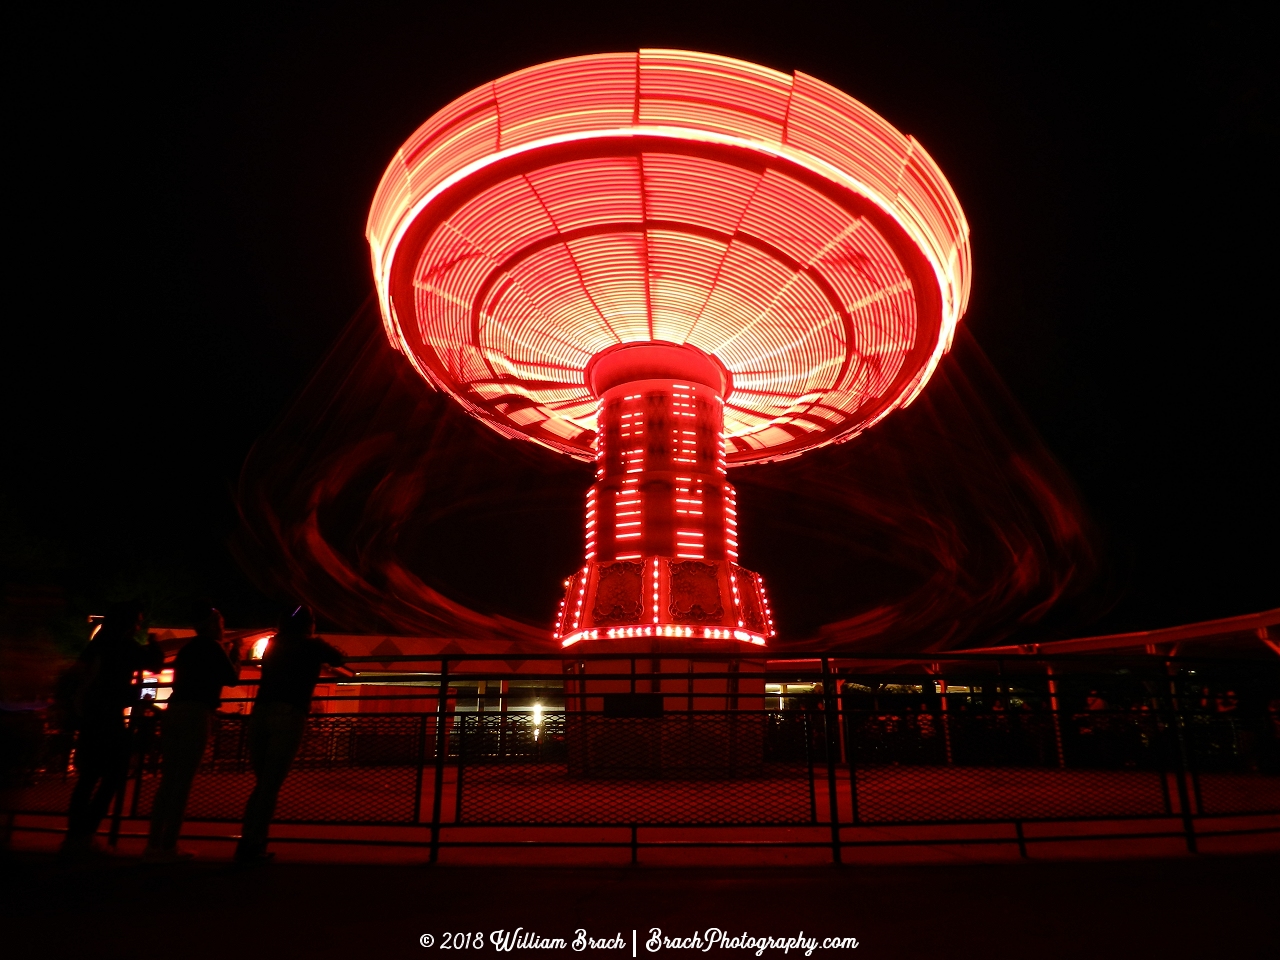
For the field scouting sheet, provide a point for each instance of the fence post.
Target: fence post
(1055, 713)
(946, 720)
(421, 766)
(808, 757)
(462, 762)
(504, 688)
(833, 744)
(1160, 744)
(442, 746)
(846, 720)
(1181, 761)
(1184, 800)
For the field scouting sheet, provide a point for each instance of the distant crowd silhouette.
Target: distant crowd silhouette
(95, 694)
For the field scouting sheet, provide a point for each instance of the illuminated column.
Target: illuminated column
(661, 488)
(661, 519)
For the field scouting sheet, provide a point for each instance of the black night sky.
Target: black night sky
(188, 191)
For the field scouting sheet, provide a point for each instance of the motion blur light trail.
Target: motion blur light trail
(947, 526)
(370, 489)
(389, 509)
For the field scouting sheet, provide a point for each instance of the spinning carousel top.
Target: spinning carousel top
(803, 247)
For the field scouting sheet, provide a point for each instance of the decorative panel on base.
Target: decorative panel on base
(664, 597)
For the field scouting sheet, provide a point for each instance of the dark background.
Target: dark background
(188, 189)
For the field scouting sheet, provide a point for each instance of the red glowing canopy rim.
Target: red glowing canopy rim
(772, 221)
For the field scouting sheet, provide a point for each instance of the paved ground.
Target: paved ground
(1204, 907)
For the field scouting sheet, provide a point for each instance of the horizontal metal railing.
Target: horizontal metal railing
(923, 741)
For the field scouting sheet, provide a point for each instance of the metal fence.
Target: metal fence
(828, 742)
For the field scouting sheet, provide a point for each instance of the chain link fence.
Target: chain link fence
(865, 749)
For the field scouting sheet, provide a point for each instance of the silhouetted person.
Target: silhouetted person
(202, 668)
(104, 688)
(290, 670)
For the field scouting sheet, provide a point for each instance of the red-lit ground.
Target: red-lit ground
(1168, 909)
(1137, 822)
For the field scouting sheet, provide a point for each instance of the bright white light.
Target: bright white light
(260, 646)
